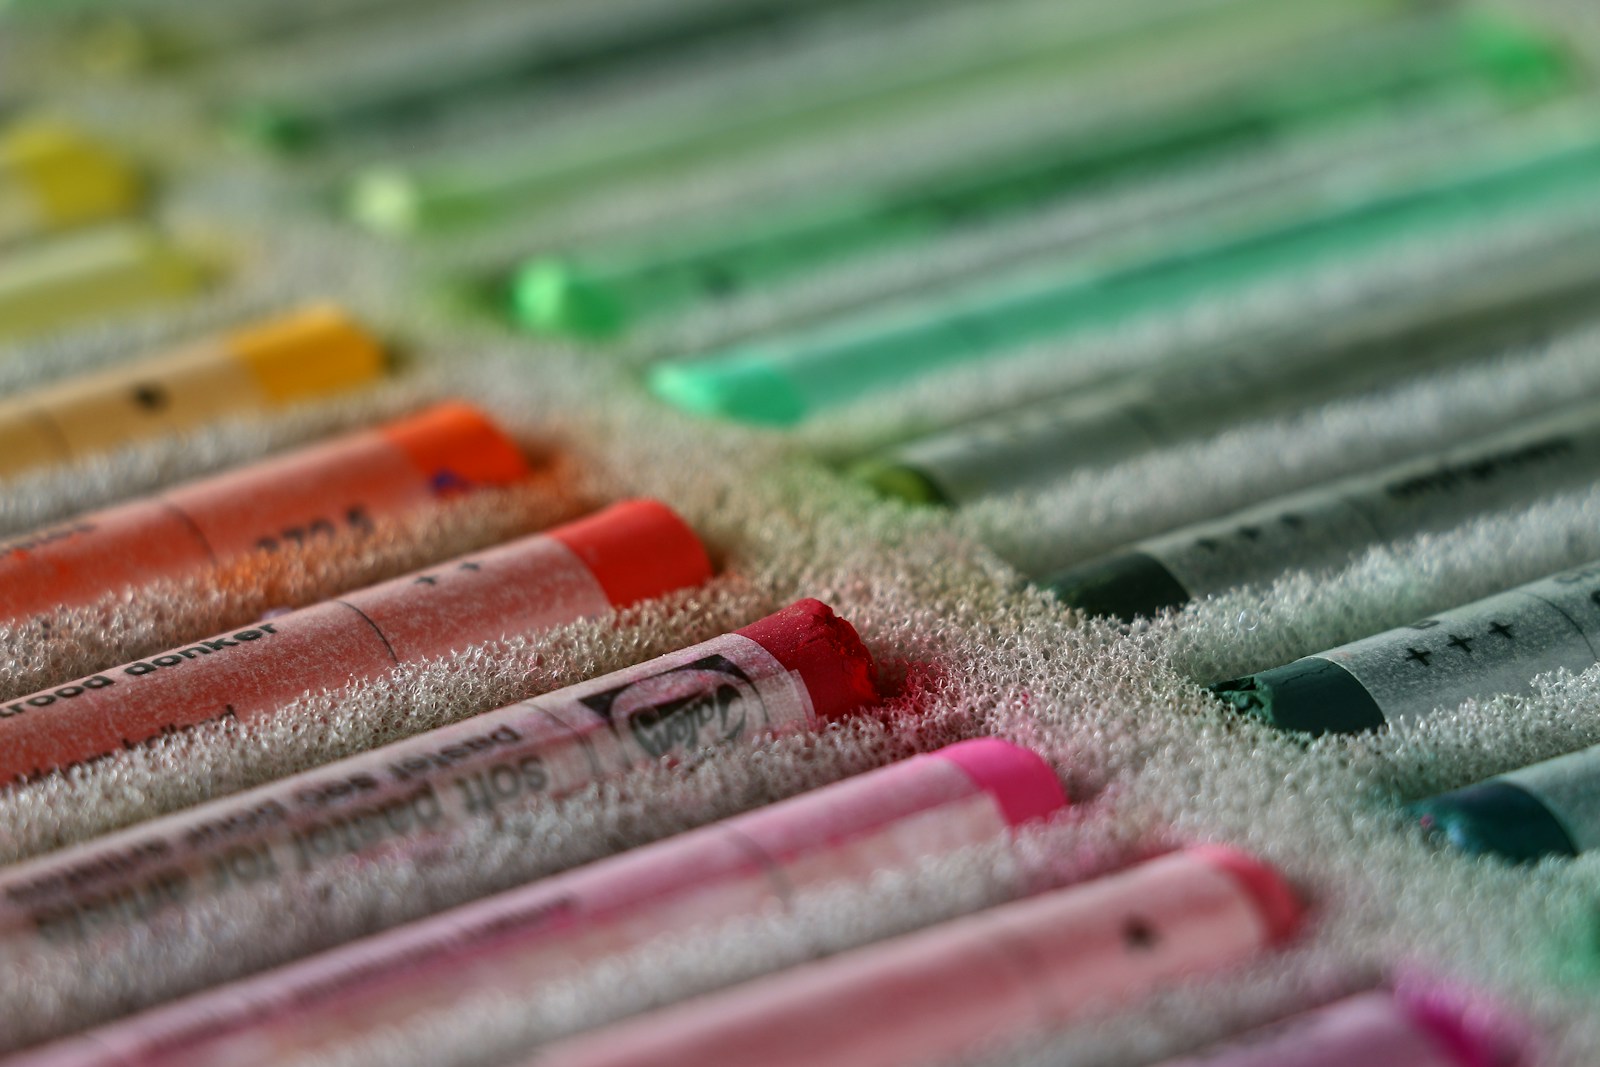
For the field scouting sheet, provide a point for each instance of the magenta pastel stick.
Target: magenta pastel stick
(799, 668)
(1375, 1029)
(928, 996)
(887, 819)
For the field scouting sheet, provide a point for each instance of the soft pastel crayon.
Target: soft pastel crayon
(885, 820)
(1040, 962)
(599, 293)
(1373, 1029)
(783, 379)
(1329, 524)
(84, 275)
(475, 68)
(259, 368)
(1551, 808)
(623, 554)
(1044, 47)
(347, 484)
(54, 177)
(1493, 307)
(801, 668)
(1492, 646)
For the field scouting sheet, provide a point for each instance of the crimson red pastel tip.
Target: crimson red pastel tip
(825, 650)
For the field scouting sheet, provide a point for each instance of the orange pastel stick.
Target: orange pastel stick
(344, 484)
(628, 552)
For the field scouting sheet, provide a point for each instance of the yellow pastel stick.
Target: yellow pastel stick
(267, 365)
(79, 276)
(53, 177)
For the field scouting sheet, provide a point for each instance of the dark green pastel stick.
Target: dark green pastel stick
(602, 293)
(1492, 646)
(513, 63)
(1324, 526)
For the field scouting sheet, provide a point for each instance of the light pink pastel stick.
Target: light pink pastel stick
(799, 668)
(1376, 1029)
(887, 819)
(930, 995)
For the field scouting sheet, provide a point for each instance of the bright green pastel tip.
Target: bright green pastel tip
(897, 480)
(748, 390)
(270, 126)
(552, 296)
(385, 201)
(1523, 59)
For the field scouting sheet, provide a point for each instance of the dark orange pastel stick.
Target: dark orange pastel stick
(344, 484)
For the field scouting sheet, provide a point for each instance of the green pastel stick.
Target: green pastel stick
(1054, 45)
(395, 97)
(780, 381)
(1496, 645)
(601, 294)
(1488, 306)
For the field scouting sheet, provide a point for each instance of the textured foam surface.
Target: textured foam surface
(965, 647)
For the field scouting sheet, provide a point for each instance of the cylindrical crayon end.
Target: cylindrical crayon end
(825, 650)
(1280, 908)
(385, 200)
(1312, 695)
(1021, 782)
(750, 390)
(312, 352)
(898, 480)
(1124, 586)
(1522, 59)
(1495, 818)
(459, 447)
(637, 550)
(552, 296)
(76, 178)
(1471, 1036)
(270, 126)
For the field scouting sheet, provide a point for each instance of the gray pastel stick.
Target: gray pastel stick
(1324, 526)
(1519, 301)
(1492, 646)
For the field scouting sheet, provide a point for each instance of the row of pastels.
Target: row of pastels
(609, 532)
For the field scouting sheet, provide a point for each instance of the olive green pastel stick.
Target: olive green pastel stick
(601, 293)
(950, 61)
(780, 380)
(77, 277)
(463, 70)
(1520, 299)
(1490, 647)
(121, 39)
(1326, 525)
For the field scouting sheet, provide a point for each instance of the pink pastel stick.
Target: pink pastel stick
(1376, 1029)
(797, 669)
(930, 995)
(887, 819)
